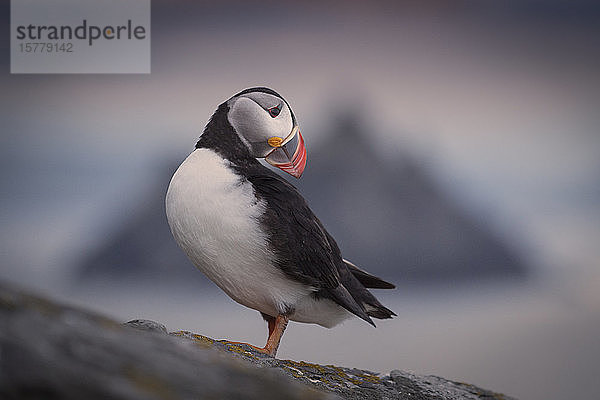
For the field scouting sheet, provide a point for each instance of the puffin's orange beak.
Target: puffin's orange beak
(290, 155)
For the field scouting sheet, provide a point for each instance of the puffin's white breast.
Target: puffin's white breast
(214, 216)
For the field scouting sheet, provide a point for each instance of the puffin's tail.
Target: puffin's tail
(379, 311)
(356, 281)
(368, 280)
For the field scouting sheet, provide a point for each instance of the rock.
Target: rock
(51, 351)
(146, 325)
(352, 383)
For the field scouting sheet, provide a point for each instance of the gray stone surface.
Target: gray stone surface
(146, 325)
(51, 351)
(352, 383)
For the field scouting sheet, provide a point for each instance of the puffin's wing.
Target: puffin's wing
(296, 234)
(305, 251)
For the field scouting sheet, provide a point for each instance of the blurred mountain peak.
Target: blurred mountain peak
(386, 215)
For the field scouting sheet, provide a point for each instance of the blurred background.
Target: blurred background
(454, 149)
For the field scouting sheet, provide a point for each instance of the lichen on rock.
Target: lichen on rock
(348, 383)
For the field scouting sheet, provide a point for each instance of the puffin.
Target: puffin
(252, 233)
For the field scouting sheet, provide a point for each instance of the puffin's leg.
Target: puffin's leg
(276, 328)
(270, 320)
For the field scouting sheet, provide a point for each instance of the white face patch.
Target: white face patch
(249, 115)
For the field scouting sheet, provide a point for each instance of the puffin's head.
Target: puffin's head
(267, 126)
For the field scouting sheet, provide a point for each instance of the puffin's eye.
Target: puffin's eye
(274, 111)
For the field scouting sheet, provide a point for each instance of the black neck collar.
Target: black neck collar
(220, 136)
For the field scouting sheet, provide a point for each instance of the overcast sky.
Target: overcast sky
(498, 101)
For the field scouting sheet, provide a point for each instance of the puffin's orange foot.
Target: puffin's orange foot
(276, 328)
(259, 349)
